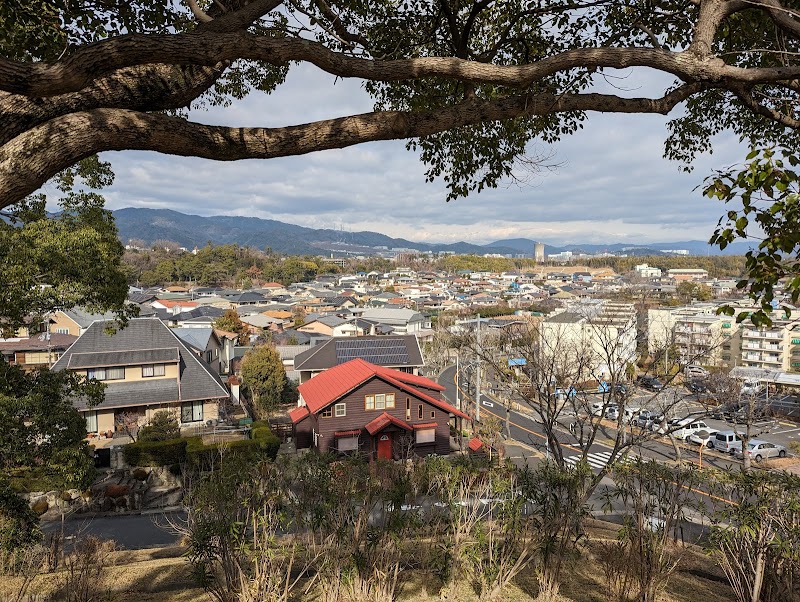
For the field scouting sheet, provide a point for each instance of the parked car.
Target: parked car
(687, 429)
(647, 418)
(619, 390)
(705, 437)
(612, 412)
(695, 371)
(698, 387)
(649, 382)
(758, 450)
(751, 386)
(662, 429)
(727, 441)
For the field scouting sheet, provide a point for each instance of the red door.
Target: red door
(385, 447)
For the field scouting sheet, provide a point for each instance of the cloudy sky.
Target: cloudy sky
(611, 183)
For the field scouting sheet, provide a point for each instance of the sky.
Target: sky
(609, 182)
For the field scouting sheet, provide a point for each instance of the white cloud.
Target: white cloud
(612, 184)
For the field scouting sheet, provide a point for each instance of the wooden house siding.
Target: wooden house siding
(358, 417)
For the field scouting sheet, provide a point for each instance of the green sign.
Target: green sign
(795, 341)
(726, 324)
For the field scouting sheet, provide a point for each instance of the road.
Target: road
(130, 531)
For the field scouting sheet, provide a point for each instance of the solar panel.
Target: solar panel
(383, 351)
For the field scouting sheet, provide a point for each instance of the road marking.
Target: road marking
(597, 460)
(488, 404)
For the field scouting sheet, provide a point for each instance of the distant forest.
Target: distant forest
(241, 267)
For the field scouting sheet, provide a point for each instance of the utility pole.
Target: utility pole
(478, 376)
(458, 383)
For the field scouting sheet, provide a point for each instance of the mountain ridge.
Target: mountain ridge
(192, 231)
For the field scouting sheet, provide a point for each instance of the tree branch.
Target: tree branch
(95, 60)
(148, 88)
(30, 159)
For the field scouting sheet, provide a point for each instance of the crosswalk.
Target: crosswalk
(597, 460)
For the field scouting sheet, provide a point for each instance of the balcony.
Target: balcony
(759, 334)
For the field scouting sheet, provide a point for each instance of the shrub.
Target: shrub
(19, 525)
(155, 453)
(162, 427)
(75, 466)
(269, 442)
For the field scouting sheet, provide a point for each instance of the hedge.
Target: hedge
(262, 444)
(155, 453)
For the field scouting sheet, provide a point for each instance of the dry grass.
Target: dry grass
(162, 575)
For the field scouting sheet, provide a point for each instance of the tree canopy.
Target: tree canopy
(469, 84)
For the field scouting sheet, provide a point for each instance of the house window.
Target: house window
(192, 411)
(390, 401)
(419, 411)
(327, 412)
(347, 444)
(340, 409)
(153, 370)
(426, 436)
(91, 421)
(106, 373)
(62, 330)
(408, 409)
(380, 401)
(433, 414)
(209, 356)
(369, 402)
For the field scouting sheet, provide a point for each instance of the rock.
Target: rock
(140, 474)
(105, 504)
(116, 491)
(40, 506)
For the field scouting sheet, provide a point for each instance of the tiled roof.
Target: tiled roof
(137, 393)
(195, 337)
(196, 382)
(381, 422)
(475, 444)
(327, 387)
(38, 342)
(134, 357)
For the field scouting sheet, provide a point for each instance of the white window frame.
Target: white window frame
(340, 409)
(380, 401)
(390, 401)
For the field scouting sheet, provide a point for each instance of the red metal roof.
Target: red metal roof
(347, 433)
(426, 425)
(325, 388)
(298, 414)
(383, 421)
(475, 444)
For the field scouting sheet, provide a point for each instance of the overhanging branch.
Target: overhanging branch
(65, 140)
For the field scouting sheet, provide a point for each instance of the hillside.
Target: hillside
(195, 231)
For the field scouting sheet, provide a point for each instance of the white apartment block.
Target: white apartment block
(645, 271)
(775, 348)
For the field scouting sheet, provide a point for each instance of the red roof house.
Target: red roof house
(383, 413)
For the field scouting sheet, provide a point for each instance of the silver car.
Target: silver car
(758, 450)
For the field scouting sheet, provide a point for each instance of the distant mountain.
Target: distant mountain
(195, 231)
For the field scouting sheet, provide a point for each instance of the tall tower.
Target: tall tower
(538, 252)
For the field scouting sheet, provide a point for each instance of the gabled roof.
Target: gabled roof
(393, 351)
(196, 338)
(333, 384)
(381, 422)
(143, 337)
(84, 318)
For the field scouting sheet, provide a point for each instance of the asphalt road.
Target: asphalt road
(130, 531)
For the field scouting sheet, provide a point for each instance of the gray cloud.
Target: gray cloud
(611, 183)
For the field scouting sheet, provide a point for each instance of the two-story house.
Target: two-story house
(146, 368)
(382, 413)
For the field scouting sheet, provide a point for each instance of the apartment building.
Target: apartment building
(600, 336)
(774, 348)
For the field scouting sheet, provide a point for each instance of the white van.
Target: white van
(727, 442)
(690, 428)
(630, 414)
(751, 386)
